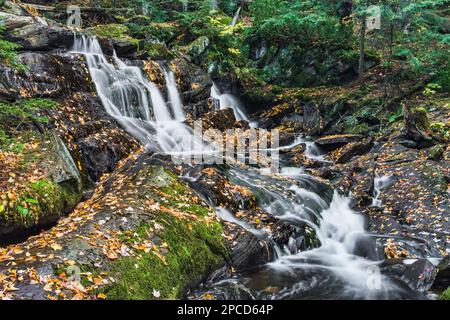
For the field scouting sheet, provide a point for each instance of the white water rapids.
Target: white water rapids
(138, 105)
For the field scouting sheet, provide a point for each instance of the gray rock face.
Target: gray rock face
(48, 75)
(196, 49)
(34, 34)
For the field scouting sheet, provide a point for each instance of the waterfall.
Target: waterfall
(343, 265)
(174, 96)
(380, 182)
(343, 258)
(138, 104)
(236, 17)
(226, 100)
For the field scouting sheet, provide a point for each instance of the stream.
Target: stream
(342, 262)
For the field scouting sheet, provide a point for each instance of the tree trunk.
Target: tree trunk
(362, 42)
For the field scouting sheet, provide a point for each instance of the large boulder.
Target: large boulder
(47, 75)
(193, 83)
(196, 49)
(42, 183)
(94, 138)
(33, 33)
(142, 235)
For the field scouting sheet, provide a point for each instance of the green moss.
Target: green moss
(189, 247)
(36, 200)
(445, 295)
(157, 51)
(21, 112)
(53, 197)
(193, 249)
(114, 31)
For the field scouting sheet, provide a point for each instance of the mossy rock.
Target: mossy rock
(143, 234)
(115, 31)
(187, 243)
(196, 49)
(157, 51)
(43, 183)
(445, 295)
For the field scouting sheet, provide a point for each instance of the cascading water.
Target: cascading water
(343, 265)
(337, 268)
(236, 17)
(226, 100)
(137, 103)
(380, 182)
(174, 97)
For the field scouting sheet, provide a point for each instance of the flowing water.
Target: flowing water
(226, 100)
(339, 259)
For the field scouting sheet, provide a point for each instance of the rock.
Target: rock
(417, 126)
(193, 83)
(276, 115)
(333, 142)
(356, 177)
(221, 119)
(148, 235)
(94, 138)
(198, 110)
(249, 247)
(196, 49)
(415, 204)
(34, 34)
(418, 275)
(41, 192)
(435, 153)
(347, 152)
(12, 8)
(47, 75)
(312, 121)
(221, 191)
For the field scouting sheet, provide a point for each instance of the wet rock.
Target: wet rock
(34, 34)
(94, 138)
(419, 275)
(47, 187)
(222, 120)
(249, 251)
(47, 75)
(312, 121)
(333, 142)
(198, 110)
(355, 177)
(193, 83)
(435, 153)
(141, 231)
(351, 150)
(222, 192)
(296, 157)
